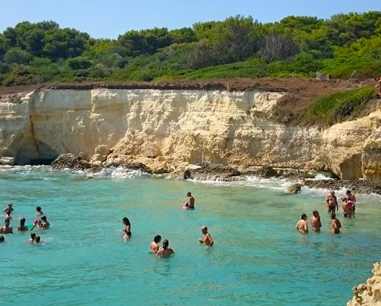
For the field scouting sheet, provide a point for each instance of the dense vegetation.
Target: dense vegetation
(236, 47)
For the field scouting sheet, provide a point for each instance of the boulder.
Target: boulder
(70, 161)
(83, 156)
(294, 188)
(7, 161)
(368, 294)
(98, 158)
(213, 172)
(102, 150)
(150, 150)
(137, 166)
(267, 172)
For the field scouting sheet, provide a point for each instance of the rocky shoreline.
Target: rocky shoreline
(217, 172)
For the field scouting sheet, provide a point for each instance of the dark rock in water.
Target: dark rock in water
(295, 188)
(83, 156)
(267, 172)
(214, 172)
(70, 161)
(356, 186)
(132, 166)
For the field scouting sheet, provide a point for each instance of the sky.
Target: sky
(110, 18)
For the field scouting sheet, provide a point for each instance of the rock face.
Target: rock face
(70, 161)
(368, 294)
(168, 129)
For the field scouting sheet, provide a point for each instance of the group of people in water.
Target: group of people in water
(348, 206)
(40, 223)
(165, 250)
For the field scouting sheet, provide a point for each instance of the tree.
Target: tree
(17, 56)
(277, 48)
(64, 43)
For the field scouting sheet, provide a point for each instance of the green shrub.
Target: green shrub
(337, 107)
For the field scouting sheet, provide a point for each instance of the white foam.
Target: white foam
(118, 173)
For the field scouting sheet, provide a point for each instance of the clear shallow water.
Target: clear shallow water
(258, 258)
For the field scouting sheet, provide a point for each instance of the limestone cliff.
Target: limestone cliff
(368, 294)
(170, 128)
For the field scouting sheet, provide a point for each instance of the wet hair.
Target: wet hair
(2, 238)
(188, 193)
(38, 208)
(348, 191)
(38, 238)
(303, 216)
(22, 221)
(315, 212)
(125, 221)
(157, 238)
(165, 244)
(43, 218)
(33, 236)
(333, 216)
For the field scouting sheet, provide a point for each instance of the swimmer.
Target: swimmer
(32, 237)
(6, 229)
(335, 225)
(2, 239)
(22, 227)
(165, 251)
(38, 240)
(127, 227)
(302, 225)
(8, 210)
(351, 197)
(126, 236)
(331, 201)
(190, 202)
(39, 211)
(45, 223)
(207, 240)
(154, 246)
(315, 221)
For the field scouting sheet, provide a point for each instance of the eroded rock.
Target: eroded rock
(70, 161)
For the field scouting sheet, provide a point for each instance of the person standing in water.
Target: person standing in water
(165, 251)
(45, 222)
(191, 201)
(22, 227)
(351, 198)
(127, 227)
(302, 226)
(315, 221)
(207, 239)
(154, 246)
(8, 210)
(331, 201)
(335, 225)
(7, 229)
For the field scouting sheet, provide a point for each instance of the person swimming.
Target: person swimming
(39, 211)
(154, 246)
(32, 237)
(127, 227)
(302, 225)
(165, 251)
(38, 240)
(2, 239)
(207, 239)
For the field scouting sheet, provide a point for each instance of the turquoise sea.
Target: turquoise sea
(258, 257)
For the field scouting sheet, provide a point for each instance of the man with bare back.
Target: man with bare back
(331, 201)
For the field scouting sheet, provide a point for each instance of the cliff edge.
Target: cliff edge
(368, 294)
(167, 126)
